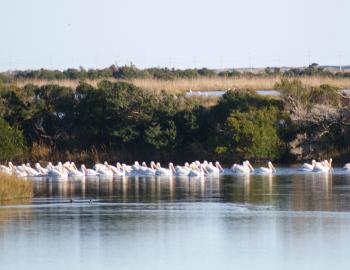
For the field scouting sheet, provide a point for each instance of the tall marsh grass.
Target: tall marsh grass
(14, 188)
(178, 86)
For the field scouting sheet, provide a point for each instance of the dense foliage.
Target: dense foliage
(252, 135)
(11, 141)
(321, 120)
(119, 121)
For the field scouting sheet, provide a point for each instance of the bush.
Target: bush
(11, 142)
(293, 91)
(252, 134)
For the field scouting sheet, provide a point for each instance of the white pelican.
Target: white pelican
(20, 170)
(30, 171)
(246, 167)
(118, 171)
(103, 170)
(58, 171)
(309, 167)
(269, 169)
(180, 170)
(134, 169)
(163, 171)
(73, 170)
(197, 169)
(347, 166)
(323, 166)
(88, 172)
(43, 171)
(144, 170)
(5, 169)
(211, 169)
(127, 168)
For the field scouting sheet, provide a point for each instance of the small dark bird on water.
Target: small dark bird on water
(71, 200)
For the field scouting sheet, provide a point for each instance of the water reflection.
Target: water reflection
(300, 192)
(285, 221)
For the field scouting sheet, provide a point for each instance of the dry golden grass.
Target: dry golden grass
(40, 152)
(14, 188)
(203, 84)
(65, 83)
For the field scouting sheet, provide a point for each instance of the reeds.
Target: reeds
(178, 86)
(14, 188)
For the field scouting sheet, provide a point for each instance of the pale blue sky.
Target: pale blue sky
(177, 33)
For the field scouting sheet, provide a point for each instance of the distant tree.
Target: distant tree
(232, 73)
(206, 72)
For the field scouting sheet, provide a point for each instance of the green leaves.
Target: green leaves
(11, 141)
(119, 115)
(251, 134)
(161, 137)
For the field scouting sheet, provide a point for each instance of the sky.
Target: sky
(59, 34)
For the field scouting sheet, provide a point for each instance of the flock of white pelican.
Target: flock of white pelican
(323, 166)
(193, 169)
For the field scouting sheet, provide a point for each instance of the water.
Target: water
(291, 220)
(220, 93)
(262, 92)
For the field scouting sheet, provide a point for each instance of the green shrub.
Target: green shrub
(252, 134)
(11, 141)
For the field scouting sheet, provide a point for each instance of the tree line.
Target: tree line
(132, 72)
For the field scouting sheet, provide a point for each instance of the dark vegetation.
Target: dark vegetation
(119, 121)
(131, 72)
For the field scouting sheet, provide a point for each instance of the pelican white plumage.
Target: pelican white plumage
(103, 170)
(180, 170)
(163, 171)
(309, 167)
(211, 169)
(127, 168)
(269, 169)
(31, 172)
(246, 167)
(323, 166)
(20, 170)
(5, 169)
(197, 169)
(117, 170)
(218, 165)
(12, 168)
(43, 171)
(88, 172)
(58, 171)
(347, 167)
(146, 171)
(73, 170)
(134, 169)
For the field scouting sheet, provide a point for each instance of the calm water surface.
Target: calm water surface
(288, 221)
(261, 92)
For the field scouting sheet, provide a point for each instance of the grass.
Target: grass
(14, 188)
(178, 86)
